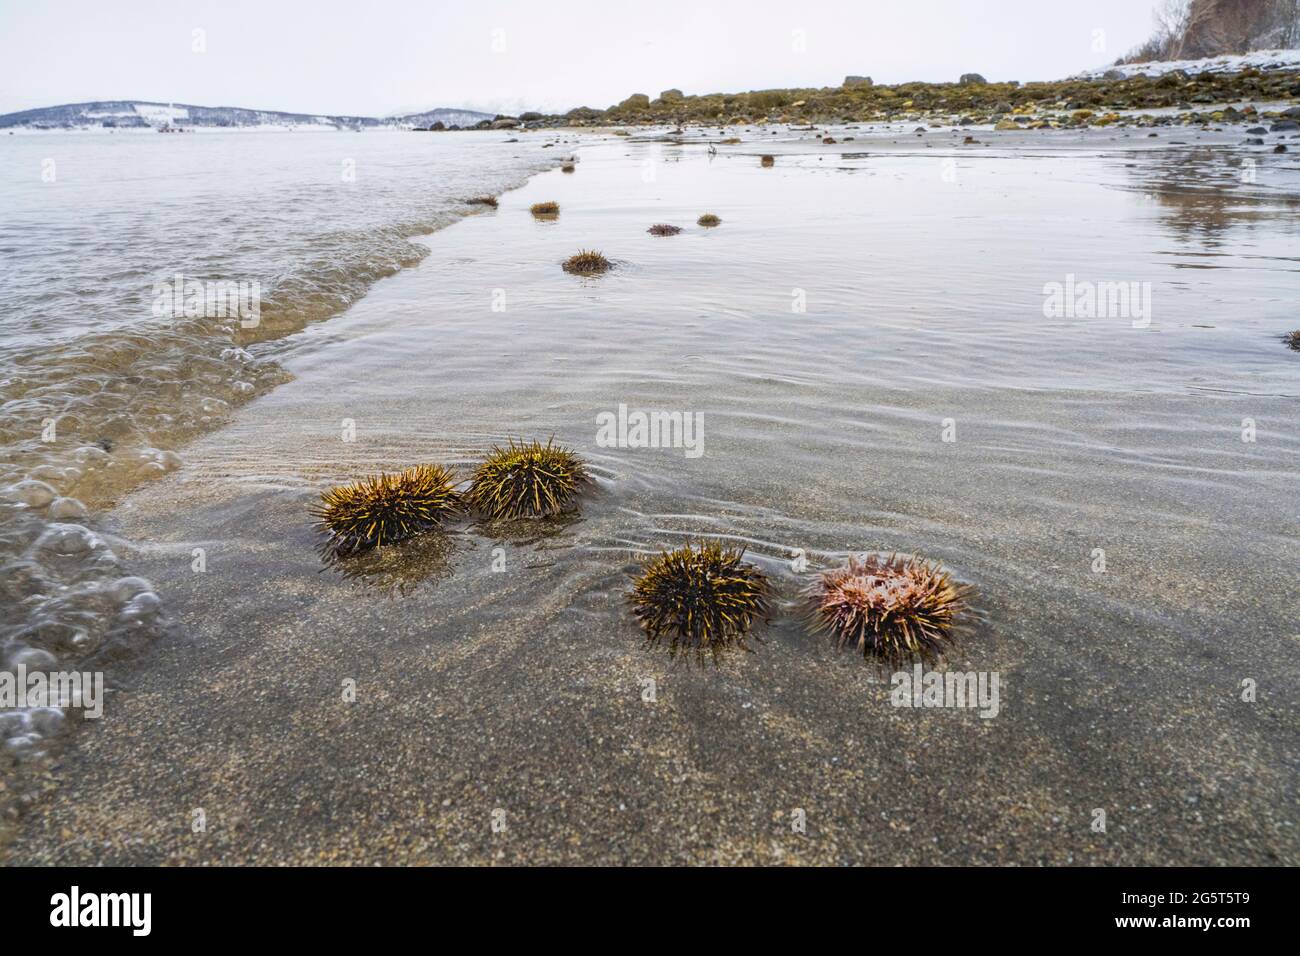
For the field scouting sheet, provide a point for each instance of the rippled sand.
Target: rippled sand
(100, 382)
(922, 265)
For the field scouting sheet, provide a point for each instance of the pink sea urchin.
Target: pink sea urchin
(889, 608)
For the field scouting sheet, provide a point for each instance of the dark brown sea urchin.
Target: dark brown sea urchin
(891, 608)
(700, 597)
(526, 481)
(1292, 339)
(384, 509)
(545, 210)
(663, 229)
(586, 262)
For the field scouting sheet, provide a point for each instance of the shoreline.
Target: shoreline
(523, 692)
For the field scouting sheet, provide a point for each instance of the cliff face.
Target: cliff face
(1237, 26)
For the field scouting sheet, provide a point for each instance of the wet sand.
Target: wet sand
(517, 696)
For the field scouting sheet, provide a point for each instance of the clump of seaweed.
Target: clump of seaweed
(483, 201)
(708, 220)
(586, 262)
(891, 608)
(1292, 339)
(663, 229)
(526, 481)
(545, 210)
(385, 509)
(700, 597)
(767, 160)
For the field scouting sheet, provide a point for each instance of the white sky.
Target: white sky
(382, 56)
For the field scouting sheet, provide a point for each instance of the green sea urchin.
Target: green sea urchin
(384, 509)
(889, 608)
(699, 596)
(587, 262)
(526, 481)
(663, 229)
(708, 220)
(567, 168)
(545, 210)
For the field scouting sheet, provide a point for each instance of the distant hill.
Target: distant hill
(142, 114)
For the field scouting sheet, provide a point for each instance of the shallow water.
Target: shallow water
(98, 389)
(919, 402)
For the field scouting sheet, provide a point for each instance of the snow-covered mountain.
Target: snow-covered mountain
(141, 114)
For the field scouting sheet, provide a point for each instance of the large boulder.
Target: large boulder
(971, 79)
(505, 122)
(669, 96)
(852, 81)
(637, 101)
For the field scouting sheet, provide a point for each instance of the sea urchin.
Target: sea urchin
(700, 596)
(708, 219)
(890, 608)
(384, 509)
(663, 229)
(767, 160)
(545, 210)
(526, 481)
(483, 201)
(586, 262)
(1292, 339)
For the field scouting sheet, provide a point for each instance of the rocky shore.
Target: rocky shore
(1117, 98)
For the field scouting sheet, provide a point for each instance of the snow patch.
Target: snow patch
(1259, 60)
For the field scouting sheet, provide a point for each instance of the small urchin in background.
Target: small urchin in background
(890, 608)
(586, 262)
(545, 210)
(384, 509)
(708, 219)
(528, 480)
(663, 229)
(700, 597)
(1292, 339)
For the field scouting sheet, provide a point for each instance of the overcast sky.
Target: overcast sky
(373, 57)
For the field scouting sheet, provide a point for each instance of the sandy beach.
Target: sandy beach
(484, 696)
